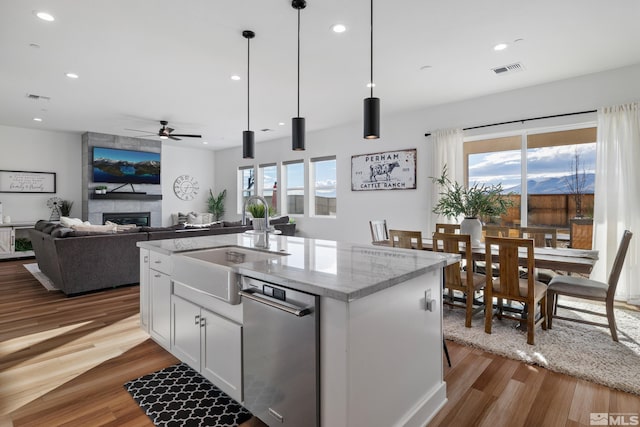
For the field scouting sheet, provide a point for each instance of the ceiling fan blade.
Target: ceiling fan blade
(187, 135)
(137, 130)
(174, 138)
(168, 129)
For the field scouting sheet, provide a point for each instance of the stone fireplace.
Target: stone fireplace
(143, 198)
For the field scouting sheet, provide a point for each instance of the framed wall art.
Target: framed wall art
(390, 170)
(27, 182)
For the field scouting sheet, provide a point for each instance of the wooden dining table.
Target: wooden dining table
(558, 259)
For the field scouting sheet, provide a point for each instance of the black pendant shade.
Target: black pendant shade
(298, 123)
(371, 104)
(248, 144)
(372, 118)
(297, 135)
(248, 137)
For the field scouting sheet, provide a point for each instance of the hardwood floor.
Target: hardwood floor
(63, 362)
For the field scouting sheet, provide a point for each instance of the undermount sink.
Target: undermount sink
(210, 270)
(233, 255)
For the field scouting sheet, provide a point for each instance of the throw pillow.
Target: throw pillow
(182, 218)
(98, 228)
(68, 222)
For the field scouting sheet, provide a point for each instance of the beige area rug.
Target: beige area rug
(575, 349)
(40, 276)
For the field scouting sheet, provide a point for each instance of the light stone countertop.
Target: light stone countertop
(339, 270)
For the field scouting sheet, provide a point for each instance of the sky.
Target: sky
(542, 163)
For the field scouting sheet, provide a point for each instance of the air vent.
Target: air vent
(511, 68)
(38, 97)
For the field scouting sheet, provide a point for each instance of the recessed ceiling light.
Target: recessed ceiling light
(37, 119)
(500, 46)
(205, 142)
(235, 77)
(45, 16)
(281, 124)
(338, 28)
(371, 85)
(72, 75)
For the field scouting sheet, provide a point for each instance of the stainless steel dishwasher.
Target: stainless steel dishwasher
(281, 358)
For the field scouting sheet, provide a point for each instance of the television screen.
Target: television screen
(125, 166)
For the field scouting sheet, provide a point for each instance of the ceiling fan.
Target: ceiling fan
(166, 132)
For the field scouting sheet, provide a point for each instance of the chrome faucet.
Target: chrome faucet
(266, 218)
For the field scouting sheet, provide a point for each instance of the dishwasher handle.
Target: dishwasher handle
(289, 308)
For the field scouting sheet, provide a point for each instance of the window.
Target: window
(246, 185)
(268, 182)
(323, 183)
(293, 185)
(555, 170)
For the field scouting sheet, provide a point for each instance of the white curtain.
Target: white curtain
(447, 150)
(617, 196)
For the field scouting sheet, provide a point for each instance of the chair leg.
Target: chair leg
(543, 312)
(531, 323)
(551, 300)
(446, 352)
(488, 314)
(611, 319)
(469, 307)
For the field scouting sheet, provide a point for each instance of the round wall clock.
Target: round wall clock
(185, 187)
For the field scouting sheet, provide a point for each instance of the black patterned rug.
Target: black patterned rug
(179, 396)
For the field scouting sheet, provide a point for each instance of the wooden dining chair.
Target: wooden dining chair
(455, 278)
(496, 230)
(448, 228)
(405, 239)
(580, 287)
(543, 237)
(379, 231)
(510, 286)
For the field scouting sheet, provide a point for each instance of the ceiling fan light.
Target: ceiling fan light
(248, 144)
(164, 137)
(372, 118)
(297, 134)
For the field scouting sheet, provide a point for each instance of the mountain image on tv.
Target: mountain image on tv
(125, 166)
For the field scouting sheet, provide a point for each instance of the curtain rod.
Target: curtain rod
(526, 120)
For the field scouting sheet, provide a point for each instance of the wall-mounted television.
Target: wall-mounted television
(115, 165)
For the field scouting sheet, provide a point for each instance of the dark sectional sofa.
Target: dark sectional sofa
(81, 261)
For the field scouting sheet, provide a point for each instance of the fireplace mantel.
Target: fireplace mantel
(125, 196)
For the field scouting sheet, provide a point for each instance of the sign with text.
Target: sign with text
(391, 170)
(27, 182)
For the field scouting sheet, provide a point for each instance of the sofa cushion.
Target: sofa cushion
(170, 228)
(41, 224)
(107, 228)
(62, 232)
(231, 223)
(50, 227)
(280, 220)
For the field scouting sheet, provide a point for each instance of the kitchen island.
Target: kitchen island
(380, 321)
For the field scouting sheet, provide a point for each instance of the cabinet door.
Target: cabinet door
(160, 308)
(6, 240)
(144, 289)
(222, 354)
(186, 333)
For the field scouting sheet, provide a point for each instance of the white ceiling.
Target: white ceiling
(142, 61)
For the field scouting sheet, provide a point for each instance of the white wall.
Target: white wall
(178, 161)
(61, 152)
(411, 209)
(41, 151)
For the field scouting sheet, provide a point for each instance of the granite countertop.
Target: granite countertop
(339, 270)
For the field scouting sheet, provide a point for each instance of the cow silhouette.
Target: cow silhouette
(382, 169)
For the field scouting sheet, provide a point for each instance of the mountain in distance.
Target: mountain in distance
(555, 185)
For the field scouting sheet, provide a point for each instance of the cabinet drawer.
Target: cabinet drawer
(161, 262)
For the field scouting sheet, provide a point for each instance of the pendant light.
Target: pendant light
(298, 123)
(248, 137)
(371, 104)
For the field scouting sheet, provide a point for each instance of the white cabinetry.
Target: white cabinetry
(209, 343)
(144, 289)
(159, 297)
(6, 240)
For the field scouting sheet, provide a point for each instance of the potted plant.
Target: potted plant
(473, 202)
(257, 212)
(216, 204)
(101, 189)
(65, 207)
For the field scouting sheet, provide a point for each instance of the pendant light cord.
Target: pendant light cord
(371, 81)
(298, 62)
(248, 78)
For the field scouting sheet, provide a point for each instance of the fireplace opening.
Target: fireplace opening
(141, 219)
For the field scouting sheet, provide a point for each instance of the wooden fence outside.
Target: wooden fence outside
(553, 210)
